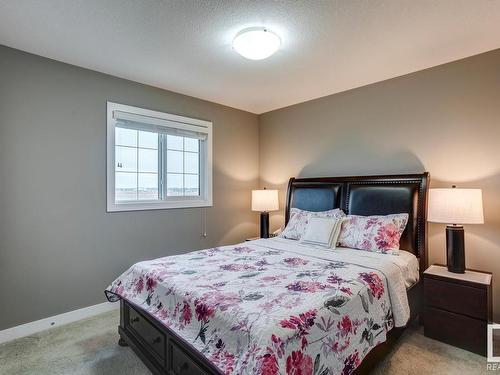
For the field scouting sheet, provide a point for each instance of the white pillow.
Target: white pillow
(299, 219)
(336, 232)
(322, 232)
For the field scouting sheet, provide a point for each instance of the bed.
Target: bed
(275, 306)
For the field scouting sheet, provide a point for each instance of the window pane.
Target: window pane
(174, 185)
(174, 142)
(191, 144)
(125, 159)
(191, 162)
(148, 160)
(125, 186)
(174, 161)
(191, 184)
(148, 186)
(125, 137)
(148, 139)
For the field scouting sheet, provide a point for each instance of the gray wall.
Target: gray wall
(59, 248)
(445, 120)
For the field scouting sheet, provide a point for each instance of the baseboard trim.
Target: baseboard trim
(55, 321)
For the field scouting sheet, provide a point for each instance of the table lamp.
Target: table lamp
(264, 201)
(455, 207)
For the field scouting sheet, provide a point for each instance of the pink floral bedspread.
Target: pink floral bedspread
(272, 306)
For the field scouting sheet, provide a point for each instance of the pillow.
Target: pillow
(336, 233)
(299, 219)
(373, 233)
(322, 231)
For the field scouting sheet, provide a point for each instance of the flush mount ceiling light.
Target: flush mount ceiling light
(256, 43)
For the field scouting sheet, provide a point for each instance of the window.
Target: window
(157, 160)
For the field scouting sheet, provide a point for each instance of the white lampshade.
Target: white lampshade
(456, 206)
(265, 200)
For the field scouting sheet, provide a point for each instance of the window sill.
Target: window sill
(146, 206)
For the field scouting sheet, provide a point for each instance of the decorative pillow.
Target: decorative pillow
(336, 233)
(299, 219)
(322, 231)
(373, 233)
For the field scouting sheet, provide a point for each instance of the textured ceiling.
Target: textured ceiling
(185, 46)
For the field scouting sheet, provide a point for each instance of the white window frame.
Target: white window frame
(174, 121)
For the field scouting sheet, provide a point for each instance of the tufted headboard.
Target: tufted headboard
(369, 195)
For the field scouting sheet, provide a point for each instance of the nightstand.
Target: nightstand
(271, 235)
(457, 307)
(252, 239)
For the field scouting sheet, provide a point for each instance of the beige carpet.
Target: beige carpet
(90, 347)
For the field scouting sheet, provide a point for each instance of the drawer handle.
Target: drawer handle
(157, 340)
(184, 367)
(135, 320)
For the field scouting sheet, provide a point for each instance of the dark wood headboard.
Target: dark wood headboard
(369, 195)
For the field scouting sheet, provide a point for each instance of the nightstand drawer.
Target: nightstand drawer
(454, 329)
(456, 298)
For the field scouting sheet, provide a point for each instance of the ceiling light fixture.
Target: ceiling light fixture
(256, 43)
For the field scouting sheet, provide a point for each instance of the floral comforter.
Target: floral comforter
(272, 306)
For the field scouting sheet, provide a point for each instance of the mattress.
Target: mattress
(275, 306)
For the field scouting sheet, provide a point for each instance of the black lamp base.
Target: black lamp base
(455, 249)
(264, 225)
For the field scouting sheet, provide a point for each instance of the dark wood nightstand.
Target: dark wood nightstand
(457, 307)
(252, 239)
(271, 235)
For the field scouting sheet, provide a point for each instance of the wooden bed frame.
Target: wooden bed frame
(164, 352)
